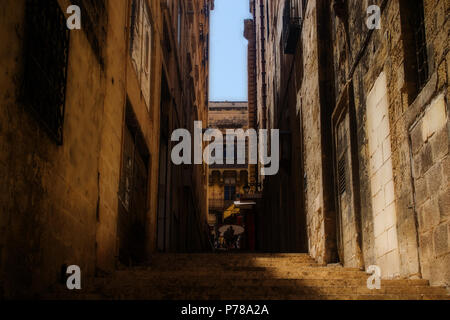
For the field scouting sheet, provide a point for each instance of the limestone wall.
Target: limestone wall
(391, 157)
(50, 193)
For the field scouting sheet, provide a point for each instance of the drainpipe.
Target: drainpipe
(263, 65)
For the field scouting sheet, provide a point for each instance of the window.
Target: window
(420, 45)
(229, 193)
(414, 37)
(141, 46)
(46, 57)
(292, 25)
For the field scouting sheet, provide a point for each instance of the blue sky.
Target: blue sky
(228, 68)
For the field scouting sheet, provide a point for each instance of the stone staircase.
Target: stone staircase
(247, 277)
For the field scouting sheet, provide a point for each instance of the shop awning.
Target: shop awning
(232, 210)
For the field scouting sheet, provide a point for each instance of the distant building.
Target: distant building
(226, 182)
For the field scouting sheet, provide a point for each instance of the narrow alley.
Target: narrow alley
(225, 150)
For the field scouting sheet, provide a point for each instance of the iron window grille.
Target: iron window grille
(46, 54)
(134, 22)
(420, 46)
(415, 44)
(292, 27)
(342, 176)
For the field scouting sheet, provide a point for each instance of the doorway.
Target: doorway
(347, 182)
(164, 170)
(133, 193)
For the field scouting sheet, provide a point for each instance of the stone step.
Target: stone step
(245, 277)
(228, 264)
(239, 273)
(222, 258)
(272, 291)
(247, 294)
(321, 297)
(215, 282)
(204, 268)
(230, 255)
(225, 267)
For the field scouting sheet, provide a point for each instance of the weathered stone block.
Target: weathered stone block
(440, 237)
(387, 150)
(446, 172)
(393, 264)
(439, 271)
(426, 158)
(417, 167)
(435, 118)
(378, 203)
(391, 216)
(392, 239)
(429, 215)
(383, 130)
(434, 179)
(442, 75)
(421, 191)
(444, 204)
(426, 246)
(378, 226)
(386, 172)
(439, 144)
(448, 62)
(426, 269)
(376, 160)
(376, 183)
(389, 193)
(381, 244)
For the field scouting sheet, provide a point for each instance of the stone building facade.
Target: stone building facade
(366, 113)
(226, 181)
(84, 135)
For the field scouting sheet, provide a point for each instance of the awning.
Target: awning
(232, 210)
